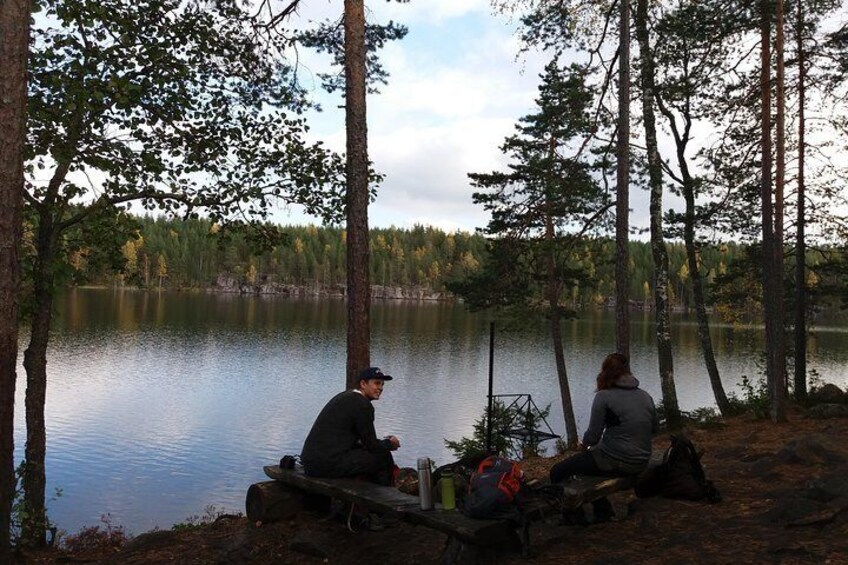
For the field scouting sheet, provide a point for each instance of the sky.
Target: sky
(455, 92)
(458, 85)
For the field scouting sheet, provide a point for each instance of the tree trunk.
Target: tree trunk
(622, 198)
(688, 190)
(33, 531)
(771, 280)
(658, 249)
(14, 41)
(556, 329)
(780, 182)
(800, 239)
(358, 283)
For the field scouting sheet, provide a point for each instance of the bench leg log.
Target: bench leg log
(458, 552)
(272, 501)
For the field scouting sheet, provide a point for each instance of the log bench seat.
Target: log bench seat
(468, 538)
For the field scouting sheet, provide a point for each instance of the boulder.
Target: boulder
(793, 509)
(827, 411)
(311, 544)
(828, 394)
(827, 488)
(810, 450)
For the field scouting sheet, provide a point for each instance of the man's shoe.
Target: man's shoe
(375, 523)
(337, 511)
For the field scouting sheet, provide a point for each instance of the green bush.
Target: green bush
(754, 399)
(503, 418)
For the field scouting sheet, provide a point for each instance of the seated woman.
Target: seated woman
(618, 440)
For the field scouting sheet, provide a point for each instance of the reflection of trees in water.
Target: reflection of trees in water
(445, 333)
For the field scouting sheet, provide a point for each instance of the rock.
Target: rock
(730, 452)
(151, 541)
(809, 450)
(826, 411)
(225, 281)
(840, 503)
(784, 549)
(794, 509)
(305, 544)
(827, 488)
(764, 468)
(828, 394)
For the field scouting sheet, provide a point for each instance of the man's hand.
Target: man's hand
(394, 442)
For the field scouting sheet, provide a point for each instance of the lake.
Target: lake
(160, 404)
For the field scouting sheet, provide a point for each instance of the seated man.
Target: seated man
(342, 442)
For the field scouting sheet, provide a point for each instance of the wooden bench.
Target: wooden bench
(391, 502)
(468, 537)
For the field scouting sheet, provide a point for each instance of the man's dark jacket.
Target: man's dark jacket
(346, 423)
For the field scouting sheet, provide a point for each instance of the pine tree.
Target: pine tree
(539, 209)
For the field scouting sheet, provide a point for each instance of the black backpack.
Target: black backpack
(680, 475)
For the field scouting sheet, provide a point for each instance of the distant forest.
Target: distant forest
(194, 253)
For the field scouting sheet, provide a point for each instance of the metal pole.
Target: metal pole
(491, 381)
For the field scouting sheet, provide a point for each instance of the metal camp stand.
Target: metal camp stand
(524, 403)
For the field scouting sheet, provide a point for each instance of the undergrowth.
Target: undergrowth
(97, 538)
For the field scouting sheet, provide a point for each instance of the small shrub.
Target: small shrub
(210, 514)
(97, 538)
(502, 418)
(814, 380)
(561, 446)
(704, 418)
(755, 398)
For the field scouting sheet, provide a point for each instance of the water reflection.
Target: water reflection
(162, 403)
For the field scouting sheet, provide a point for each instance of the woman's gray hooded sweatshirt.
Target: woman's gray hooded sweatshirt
(621, 425)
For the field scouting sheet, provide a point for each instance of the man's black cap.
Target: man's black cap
(373, 373)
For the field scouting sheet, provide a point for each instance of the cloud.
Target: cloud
(426, 171)
(432, 11)
(454, 93)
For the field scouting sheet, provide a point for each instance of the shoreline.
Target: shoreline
(313, 290)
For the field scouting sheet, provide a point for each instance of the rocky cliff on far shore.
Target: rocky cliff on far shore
(229, 283)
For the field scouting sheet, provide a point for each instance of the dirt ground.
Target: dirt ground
(785, 500)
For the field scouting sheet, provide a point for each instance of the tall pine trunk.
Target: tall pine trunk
(801, 223)
(658, 249)
(622, 199)
(779, 185)
(358, 280)
(554, 293)
(771, 277)
(14, 41)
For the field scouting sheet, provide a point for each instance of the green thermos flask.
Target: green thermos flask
(448, 490)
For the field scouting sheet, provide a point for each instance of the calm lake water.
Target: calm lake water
(160, 404)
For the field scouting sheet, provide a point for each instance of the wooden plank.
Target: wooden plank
(369, 495)
(388, 500)
(585, 488)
